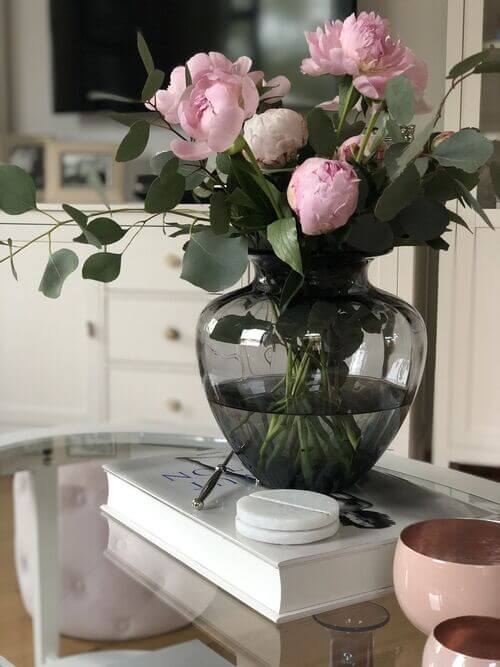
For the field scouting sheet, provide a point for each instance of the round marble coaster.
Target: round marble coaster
(287, 536)
(287, 509)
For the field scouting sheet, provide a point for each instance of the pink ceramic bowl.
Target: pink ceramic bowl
(446, 568)
(467, 641)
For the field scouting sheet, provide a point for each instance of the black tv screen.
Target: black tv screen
(94, 42)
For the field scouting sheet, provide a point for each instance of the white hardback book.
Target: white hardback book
(153, 497)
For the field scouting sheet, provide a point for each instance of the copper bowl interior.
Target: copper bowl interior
(466, 541)
(473, 636)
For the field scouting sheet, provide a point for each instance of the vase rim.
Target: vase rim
(354, 255)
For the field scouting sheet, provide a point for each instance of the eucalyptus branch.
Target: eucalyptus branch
(367, 133)
(142, 224)
(34, 240)
(454, 84)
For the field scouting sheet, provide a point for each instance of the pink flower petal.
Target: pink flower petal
(190, 150)
(277, 87)
(198, 65)
(225, 127)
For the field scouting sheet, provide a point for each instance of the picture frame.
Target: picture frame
(69, 165)
(31, 152)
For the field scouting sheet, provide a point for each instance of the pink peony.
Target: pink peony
(324, 194)
(167, 101)
(362, 47)
(213, 109)
(348, 150)
(275, 136)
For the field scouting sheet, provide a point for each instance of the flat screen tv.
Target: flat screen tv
(94, 42)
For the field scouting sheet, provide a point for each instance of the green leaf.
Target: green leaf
(153, 83)
(438, 244)
(106, 230)
(394, 131)
(134, 142)
(400, 99)
(370, 235)
(282, 235)
(440, 184)
(241, 199)
(347, 96)
(214, 263)
(229, 329)
(495, 177)
(220, 213)
(247, 181)
(491, 64)
(467, 64)
(467, 150)
(103, 267)
(424, 219)
(398, 194)
(17, 190)
(322, 137)
(422, 164)
(81, 220)
(163, 197)
(291, 286)
(11, 259)
(392, 154)
(223, 162)
(145, 53)
(60, 265)
(472, 203)
(454, 217)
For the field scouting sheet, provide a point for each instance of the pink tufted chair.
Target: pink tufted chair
(98, 601)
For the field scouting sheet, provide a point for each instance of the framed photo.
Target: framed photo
(30, 153)
(71, 164)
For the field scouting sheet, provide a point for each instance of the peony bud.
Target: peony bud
(439, 138)
(349, 149)
(275, 136)
(324, 194)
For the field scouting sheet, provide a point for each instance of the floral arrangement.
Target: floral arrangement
(348, 177)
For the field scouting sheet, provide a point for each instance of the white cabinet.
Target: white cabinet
(123, 351)
(467, 385)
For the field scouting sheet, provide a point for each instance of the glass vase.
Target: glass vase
(309, 394)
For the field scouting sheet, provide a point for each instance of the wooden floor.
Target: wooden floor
(15, 624)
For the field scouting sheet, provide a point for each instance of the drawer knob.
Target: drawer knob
(173, 261)
(174, 405)
(171, 333)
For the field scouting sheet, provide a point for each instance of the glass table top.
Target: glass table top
(119, 591)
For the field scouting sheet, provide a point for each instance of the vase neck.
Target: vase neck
(327, 273)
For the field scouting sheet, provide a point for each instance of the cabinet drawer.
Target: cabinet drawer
(154, 329)
(175, 398)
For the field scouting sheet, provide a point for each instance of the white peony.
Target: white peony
(275, 136)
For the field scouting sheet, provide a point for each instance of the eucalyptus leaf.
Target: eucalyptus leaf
(398, 194)
(17, 190)
(467, 150)
(152, 85)
(134, 142)
(103, 267)
(128, 119)
(213, 262)
(424, 219)
(223, 163)
(230, 328)
(81, 220)
(467, 64)
(491, 64)
(60, 265)
(392, 154)
(220, 213)
(101, 95)
(438, 244)
(322, 136)
(193, 172)
(454, 217)
(282, 235)
(145, 53)
(106, 230)
(164, 195)
(394, 131)
(370, 235)
(400, 99)
(240, 198)
(422, 164)
(472, 203)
